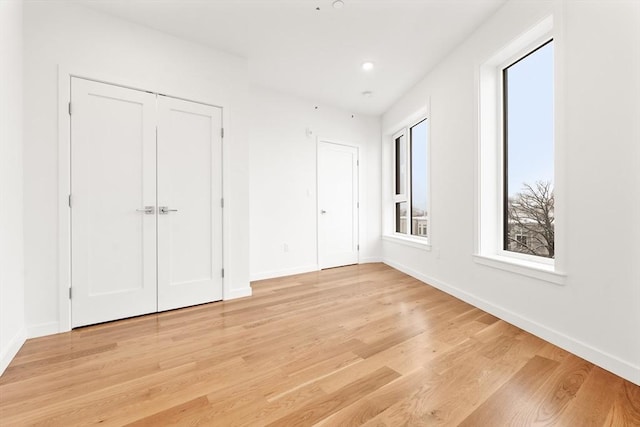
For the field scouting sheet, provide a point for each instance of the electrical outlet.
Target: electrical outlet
(285, 247)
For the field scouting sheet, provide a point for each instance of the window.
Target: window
(519, 119)
(528, 145)
(411, 179)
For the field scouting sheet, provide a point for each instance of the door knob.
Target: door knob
(149, 210)
(164, 210)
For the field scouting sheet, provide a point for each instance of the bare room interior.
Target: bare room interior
(320, 212)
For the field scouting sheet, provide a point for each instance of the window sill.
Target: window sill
(526, 268)
(408, 241)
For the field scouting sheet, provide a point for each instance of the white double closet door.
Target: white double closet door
(146, 191)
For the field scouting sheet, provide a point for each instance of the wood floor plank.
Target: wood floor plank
(327, 405)
(595, 400)
(357, 345)
(363, 410)
(312, 372)
(549, 402)
(276, 408)
(452, 391)
(508, 402)
(626, 407)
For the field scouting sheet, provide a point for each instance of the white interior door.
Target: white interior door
(113, 178)
(189, 203)
(337, 204)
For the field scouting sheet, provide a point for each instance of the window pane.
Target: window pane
(419, 179)
(401, 217)
(529, 133)
(401, 165)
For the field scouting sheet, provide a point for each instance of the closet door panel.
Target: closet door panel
(189, 196)
(113, 174)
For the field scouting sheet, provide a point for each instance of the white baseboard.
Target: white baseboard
(301, 270)
(598, 357)
(12, 349)
(281, 273)
(43, 329)
(370, 260)
(239, 293)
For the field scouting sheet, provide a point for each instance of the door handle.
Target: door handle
(322, 211)
(164, 210)
(148, 210)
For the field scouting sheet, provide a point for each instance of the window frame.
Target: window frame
(400, 197)
(488, 230)
(503, 198)
(406, 197)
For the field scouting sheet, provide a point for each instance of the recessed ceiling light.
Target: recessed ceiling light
(338, 4)
(367, 93)
(367, 66)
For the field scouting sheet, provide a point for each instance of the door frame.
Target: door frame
(320, 140)
(65, 74)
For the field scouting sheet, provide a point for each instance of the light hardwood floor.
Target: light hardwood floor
(358, 345)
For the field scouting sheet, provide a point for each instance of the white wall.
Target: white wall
(96, 45)
(596, 314)
(12, 329)
(283, 180)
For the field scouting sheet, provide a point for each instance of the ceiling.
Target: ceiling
(293, 47)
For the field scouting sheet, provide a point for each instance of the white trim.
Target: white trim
(540, 40)
(532, 269)
(226, 285)
(601, 358)
(371, 260)
(64, 189)
(12, 348)
(488, 223)
(286, 272)
(274, 274)
(415, 242)
(543, 262)
(238, 293)
(414, 118)
(542, 29)
(560, 164)
(43, 329)
(429, 122)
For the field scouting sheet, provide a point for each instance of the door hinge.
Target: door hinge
(358, 205)
(222, 203)
(69, 108)
(69, 200)
(223, 273)
(222, 132)
(358, 247)
(70, 293)
(357, 162)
